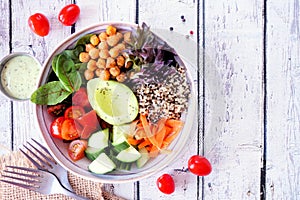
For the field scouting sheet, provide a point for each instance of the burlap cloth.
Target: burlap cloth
(89, 189)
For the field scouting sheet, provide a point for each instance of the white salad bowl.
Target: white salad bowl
(58, 148)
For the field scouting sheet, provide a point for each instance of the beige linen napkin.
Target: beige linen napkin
(86, 188)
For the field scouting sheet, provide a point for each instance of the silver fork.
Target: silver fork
(47, 163)
(36, 180)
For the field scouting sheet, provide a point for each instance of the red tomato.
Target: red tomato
(80, 98)
(39, 24)
(70, 130)
(74, 112)
(199, 165)
(165, 184)
(69, 14)
(76, 149)
(55, 127)
(90, 124)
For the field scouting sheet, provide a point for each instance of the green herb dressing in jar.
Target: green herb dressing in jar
(19, 76)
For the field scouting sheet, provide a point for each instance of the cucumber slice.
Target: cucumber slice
(128, 155)
(122, 146)
(99, 140)
(92, 153)
(119, 133)
(143, 159)
(102, 164)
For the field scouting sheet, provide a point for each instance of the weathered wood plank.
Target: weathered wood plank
(95, 12)
(283, 93)
(5, 105)
(168, 14)
(233, 79)
(24, 126)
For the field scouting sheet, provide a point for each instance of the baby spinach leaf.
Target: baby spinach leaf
(74, 53)
(67, 73)
(84, 40)
(51, 93)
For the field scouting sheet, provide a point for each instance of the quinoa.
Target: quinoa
(167, 99)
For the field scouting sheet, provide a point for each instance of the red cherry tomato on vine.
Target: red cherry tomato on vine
(165, 184)
(69, 14)
(39, 24)
(199, 165)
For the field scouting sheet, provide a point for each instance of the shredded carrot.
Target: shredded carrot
(145, 143)
(133, 141)
(160, 135)
(174, 123)
(153, 152)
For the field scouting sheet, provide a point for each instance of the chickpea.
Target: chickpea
(91, 65)
(101, 63)
(104, 75)
(114, 39)
(114, 52)
(98, 71)
(88, 47)
(84, 57)
(94, 53)
(127, 37)
(104, 54)
(94, 40)
(120, 46)
(120, 61)
(88, 74)
(115, 71)
(110, 62)
(103, 45)
(121, 77)
(110, 30)
(102, 36)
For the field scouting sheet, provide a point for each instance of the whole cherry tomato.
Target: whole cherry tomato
(39, 24)
(69, 14)
(199, 165)
(55, 127)
(165, 184)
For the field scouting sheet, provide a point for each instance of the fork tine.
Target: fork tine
(38, 157)
(44, 148)
(19, 178)
(19, 184)
(32, 160)
(41, 153)
(23, 168)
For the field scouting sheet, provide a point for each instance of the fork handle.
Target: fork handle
(73, 195)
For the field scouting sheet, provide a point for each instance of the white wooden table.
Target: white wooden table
(248, 84)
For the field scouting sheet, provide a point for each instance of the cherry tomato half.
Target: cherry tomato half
(55, 127)
(165, 184)
(199, 165)
(74, 112)
(76, 149)
(39, 24)
(70, 130)
(69, 14)
(80, 98)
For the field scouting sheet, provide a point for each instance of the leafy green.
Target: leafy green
(83, 40)
(67, 73)
(51, 93)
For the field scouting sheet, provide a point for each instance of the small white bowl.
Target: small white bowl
(19, 73)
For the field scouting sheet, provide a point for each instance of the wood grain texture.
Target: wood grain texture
(168, 14)
(5, 105)
(283, 100)
(233, 78)
(93, 12)
(23, 40)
